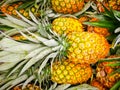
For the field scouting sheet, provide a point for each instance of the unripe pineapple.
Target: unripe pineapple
(87, 47)
(68, 72)
(28, 87)
(11, 9)
(104, 73)
(66, 25)
(67, 6)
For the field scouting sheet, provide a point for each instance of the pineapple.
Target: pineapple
(66, 25)
(104, 73)
(114, 4)
(109, 19)
(12, 7)
(97, 84)
(18, 37)
(109, 75)
(28, 87)
(67, 72)
(79, 51)
(26, 61)
(87, 47)
(99, 30)
(67, 6)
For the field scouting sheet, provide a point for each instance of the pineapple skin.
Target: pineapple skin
(67, 6)
(19, 37)
(97, 84)
(114, 4)
(98, 30)
(104, 71)
(67, 72)
(87, 47)
(11, 10)
(28, 87)
(66, 25)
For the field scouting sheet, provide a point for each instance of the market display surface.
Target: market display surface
(59, 44)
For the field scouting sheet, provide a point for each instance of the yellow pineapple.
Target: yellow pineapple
(84, 46)
(30, 60)
(11, 9)
(87, 47)
(104, 73)
(66, 25)
(68, 72)
(67, 6)
(28, 87)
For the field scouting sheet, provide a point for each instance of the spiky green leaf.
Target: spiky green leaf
(114, 64)
(109, 59)
(115, 86)
(104, 24)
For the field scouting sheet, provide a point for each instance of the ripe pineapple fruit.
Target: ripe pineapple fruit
(67, 6)
(83, 46)
(68, 72)
(104, 73)
(114, 4)
(28, 87)
(12, 7)
(97, 84)
(89, 28)
(87, 47)
(66, 25)
(18, 37)
(33, 57)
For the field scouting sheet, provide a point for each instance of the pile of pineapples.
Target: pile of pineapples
(59, 45)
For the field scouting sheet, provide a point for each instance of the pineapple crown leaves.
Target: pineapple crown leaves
(116, 41)
(38, 49)
(104, 21)
(107, 19)
(13, 82)
(15, 24)
(109, 59)
(30, 75)
(70, 87)
(26, 5)
(116, 86)
(115, 50)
